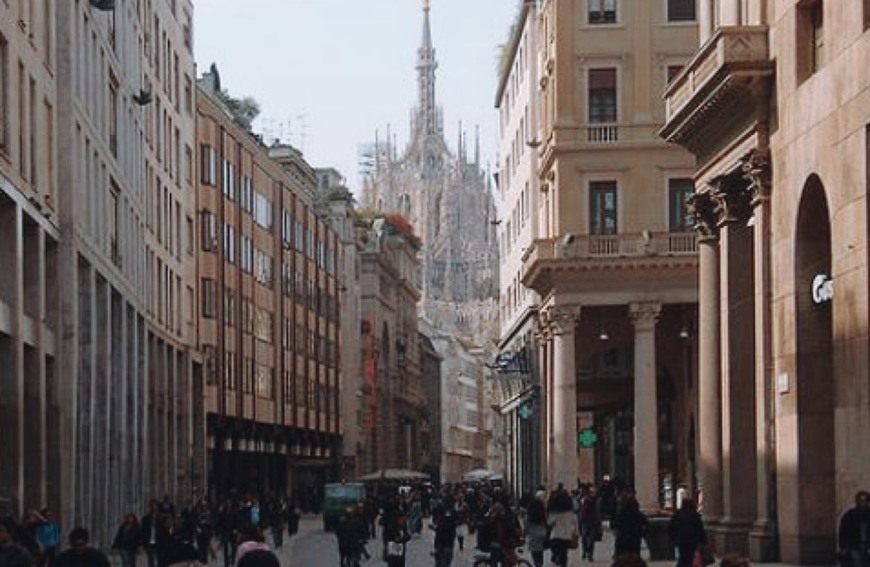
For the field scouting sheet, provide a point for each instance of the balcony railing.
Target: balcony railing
(628, 245)
(602, 133)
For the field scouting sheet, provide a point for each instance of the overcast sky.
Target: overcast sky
(329, 73)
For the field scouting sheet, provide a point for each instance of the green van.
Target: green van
(337, 498)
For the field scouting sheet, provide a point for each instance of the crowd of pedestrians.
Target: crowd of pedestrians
(198, 533)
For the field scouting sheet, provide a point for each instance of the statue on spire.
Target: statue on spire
(425, 5)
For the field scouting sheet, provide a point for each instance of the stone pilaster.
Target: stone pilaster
(563, 323)
(756, 169)
(709, 414)
(644, 316)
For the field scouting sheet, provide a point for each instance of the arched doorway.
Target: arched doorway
(814, 382)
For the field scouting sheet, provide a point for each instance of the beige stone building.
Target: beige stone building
(614, 259)
(268, 311)
(516, 382)
(774, 106)
(96, 141)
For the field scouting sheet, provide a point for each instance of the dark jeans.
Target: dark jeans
(151, 552)
(443, 556)
(230, 549)
(685, 555)
(559, 551)
(538, 558)
(588, 537)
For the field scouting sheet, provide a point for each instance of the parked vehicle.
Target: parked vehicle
(337, 498)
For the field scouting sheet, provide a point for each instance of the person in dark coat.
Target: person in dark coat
(128, 540)
(444, 524)
(12, 554)
(589, 517)
(630, 526)
(80, 552)
(687, 532)
(853, 535)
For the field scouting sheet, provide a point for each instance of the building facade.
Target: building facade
(777, 117)
(268, 312)
(614, 259)
(96, 114)
(447, 198)
(516, 381)
(391, 423)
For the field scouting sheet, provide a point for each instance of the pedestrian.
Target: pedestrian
(80, 552)
(251, 539)
(128, 540)
(629, 525)
(444, 524)
(259, 558)
(853, 534)
(589, 517)
(536, 530)
(687, 532)
(228, 523)
(11, 553)
(48, 537)
(562, 522)
(396, 537)
(150, 525)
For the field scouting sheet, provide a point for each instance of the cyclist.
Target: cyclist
(505, 535)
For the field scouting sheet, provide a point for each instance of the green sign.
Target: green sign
(587, 438)
(525, 411)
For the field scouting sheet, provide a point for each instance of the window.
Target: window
(681, 10)
(602, 96)
(262, 210)
(230, 181)
(209, 231)
(209, 299)
(229, 243)
(246, 199)
(602, 207)
(4, 86)
(679, 218)
(113, 115)
(810, 38)
(208, 164)
(602, 11)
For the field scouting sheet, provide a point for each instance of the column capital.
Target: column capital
(756, 170)
(562, 319)
(703, 209)
(644, 316)
(732, 197)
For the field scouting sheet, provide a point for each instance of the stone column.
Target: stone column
(646, 450)
(705, 20)
(761, 538)
(730, 13)
(709, 413)
(563, 320)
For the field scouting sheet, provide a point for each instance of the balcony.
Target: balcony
(606, 253)
(719, 90)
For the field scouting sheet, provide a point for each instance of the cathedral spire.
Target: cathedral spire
(426, 66)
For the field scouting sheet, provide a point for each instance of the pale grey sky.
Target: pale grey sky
(329, 73)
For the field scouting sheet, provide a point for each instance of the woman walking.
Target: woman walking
(128, 540)
(687, 532)
(563, 526)
(536, 530)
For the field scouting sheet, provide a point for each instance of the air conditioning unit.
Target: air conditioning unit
(105, 5)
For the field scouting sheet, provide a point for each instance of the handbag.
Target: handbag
(703, 557)
(575, 541)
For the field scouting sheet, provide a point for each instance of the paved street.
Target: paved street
(314, 547)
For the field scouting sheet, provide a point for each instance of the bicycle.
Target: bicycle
(497, 557)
